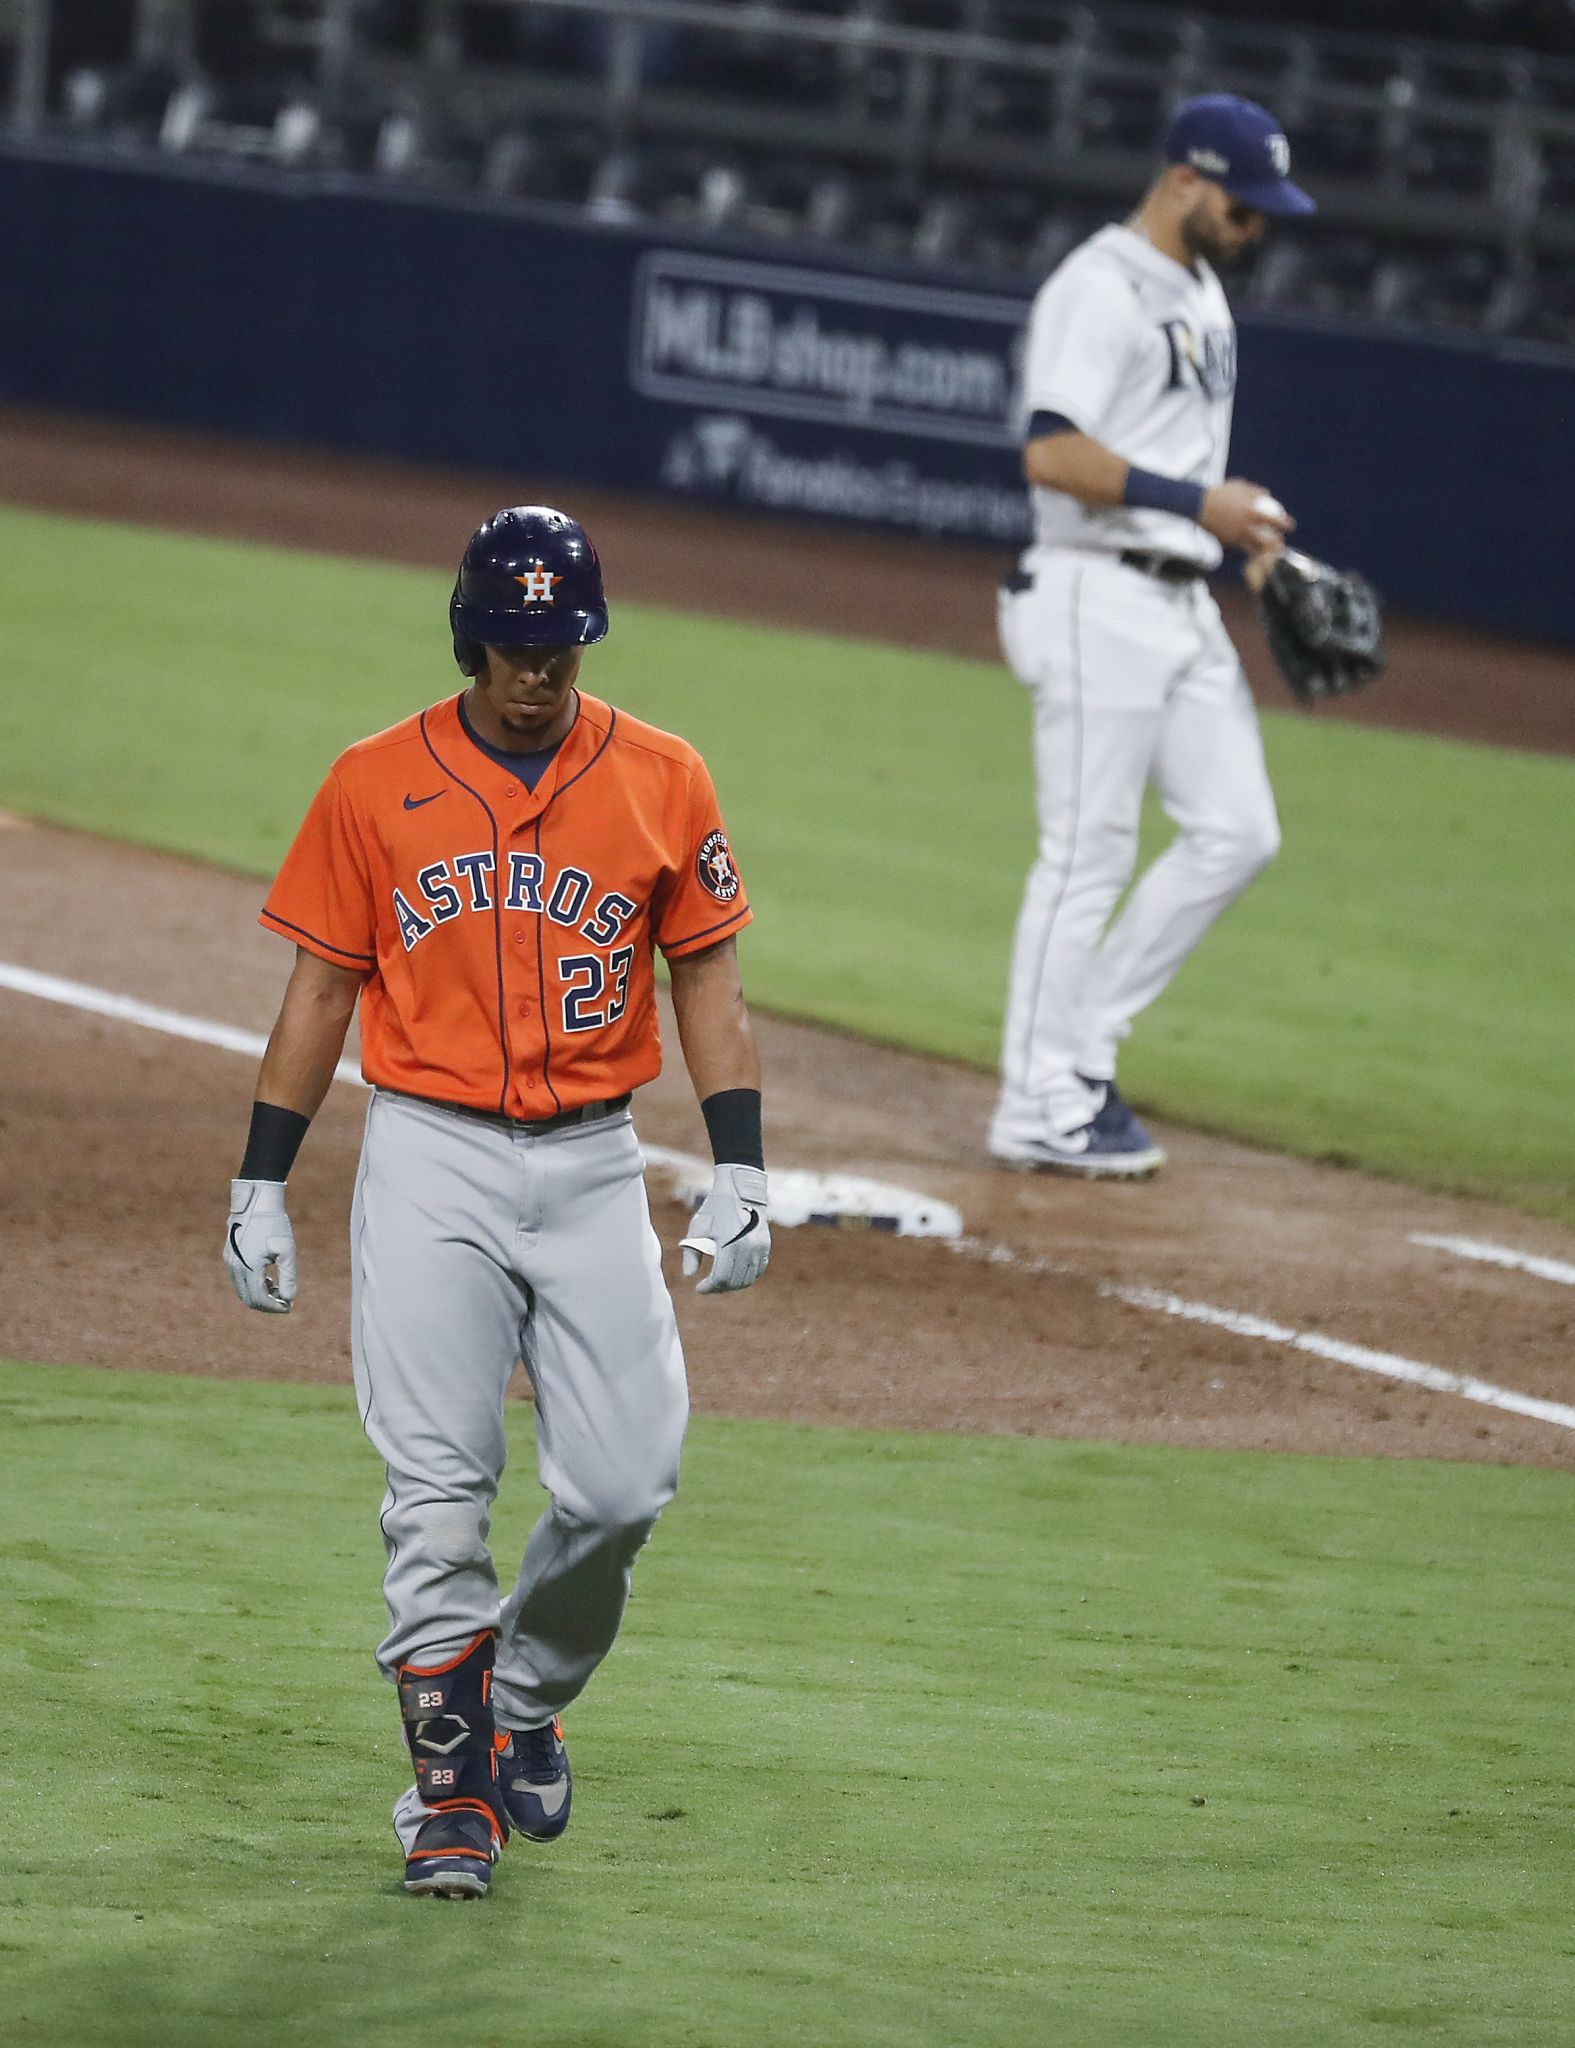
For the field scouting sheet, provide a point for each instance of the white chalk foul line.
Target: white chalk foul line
(100, 1002)
(1499, 1255)
(1387, 1364)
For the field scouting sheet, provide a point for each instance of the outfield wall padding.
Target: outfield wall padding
(352, 314)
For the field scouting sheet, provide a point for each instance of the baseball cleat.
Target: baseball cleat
(1114, 1118)
(458, 1878)
(1112, 1146)
(451, 1823)
(535, 1780)
(449, 1854)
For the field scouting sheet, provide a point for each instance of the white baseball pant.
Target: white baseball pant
(1133, 680)
(472, 1245)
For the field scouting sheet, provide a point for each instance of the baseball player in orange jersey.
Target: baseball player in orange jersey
(488, 880)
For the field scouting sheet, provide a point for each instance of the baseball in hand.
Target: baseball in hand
(1268, 507)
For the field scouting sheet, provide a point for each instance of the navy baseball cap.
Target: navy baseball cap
(1239, 145)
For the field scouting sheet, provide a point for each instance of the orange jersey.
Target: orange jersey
(507, 934)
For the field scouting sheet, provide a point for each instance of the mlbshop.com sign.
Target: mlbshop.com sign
(850, 351)
(824, 392)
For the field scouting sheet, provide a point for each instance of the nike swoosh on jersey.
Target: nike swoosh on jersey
(414, 803)
(754, 1218)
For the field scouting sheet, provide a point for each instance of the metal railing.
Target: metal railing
(938, 111)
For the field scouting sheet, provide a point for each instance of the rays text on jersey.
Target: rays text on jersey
(1207, 360)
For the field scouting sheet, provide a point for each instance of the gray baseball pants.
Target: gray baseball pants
(473, 1245)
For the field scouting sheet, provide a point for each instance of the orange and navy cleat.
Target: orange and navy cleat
(451, 1852)
(535, 1780)
(452, 1823)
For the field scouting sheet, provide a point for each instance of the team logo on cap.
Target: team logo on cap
(1280, 155)
(537, 584)
(714, 866)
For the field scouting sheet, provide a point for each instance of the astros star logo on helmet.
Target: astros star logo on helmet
(537, 584)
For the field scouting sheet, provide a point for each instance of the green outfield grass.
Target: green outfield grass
(1397, 991)
(910, 1742)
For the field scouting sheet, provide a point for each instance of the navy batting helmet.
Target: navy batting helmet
(529, 578)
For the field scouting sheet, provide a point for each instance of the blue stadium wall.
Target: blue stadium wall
(352, 316)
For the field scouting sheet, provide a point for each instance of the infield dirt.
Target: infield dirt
(116, 1144)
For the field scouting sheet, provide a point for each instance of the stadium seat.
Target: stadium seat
(1547, 311)
(777, 194)
(126, 103)
(841, 122)
(1335, 276)
(1443, 158)
(1122, 114)
(1457, 289)
(774, 70)
(255, 117)
(1335, 142)
(554, 162)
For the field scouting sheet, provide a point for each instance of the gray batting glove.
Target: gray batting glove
(260, 1235)
(730, 1230)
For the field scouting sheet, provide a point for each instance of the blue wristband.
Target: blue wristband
(1146, 491)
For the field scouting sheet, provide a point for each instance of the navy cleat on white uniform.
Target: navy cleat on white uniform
(1112, 1145)
(1128, 391)
(1115, 1120)
(535, 1780)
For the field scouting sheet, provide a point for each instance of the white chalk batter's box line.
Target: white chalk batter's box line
(686, 1168)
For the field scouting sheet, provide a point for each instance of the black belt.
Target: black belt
(1165, 568)
(587, 1113)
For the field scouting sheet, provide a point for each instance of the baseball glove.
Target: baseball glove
(1324, 625)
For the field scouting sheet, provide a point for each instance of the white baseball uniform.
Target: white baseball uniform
(1133, 679)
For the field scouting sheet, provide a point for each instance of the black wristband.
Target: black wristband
(732, 1120)
(273, 1141)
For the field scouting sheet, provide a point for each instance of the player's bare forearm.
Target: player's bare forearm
(309, 1036)
(1083, 468)
(714, 1030)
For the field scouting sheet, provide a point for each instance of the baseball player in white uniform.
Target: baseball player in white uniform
(1128, 386)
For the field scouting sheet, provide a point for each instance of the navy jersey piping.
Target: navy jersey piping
(690, 938)
(273, 917)
(541, 986)
(541, 954)
(590, 764)
(497, 909)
